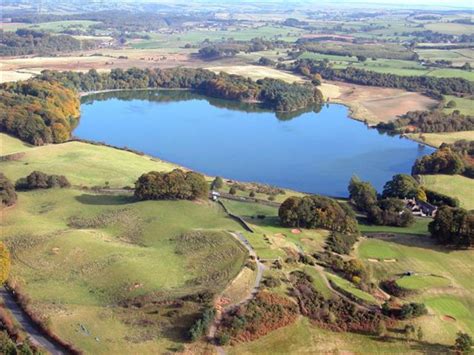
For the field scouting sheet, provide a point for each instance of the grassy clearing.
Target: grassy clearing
(80, 256)
(418, 282)
(350, 288)
(9, 145)
(84, 164)
(450, 28)
(456, 186)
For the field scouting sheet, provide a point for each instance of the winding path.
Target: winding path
(258, 279)
(31, 329)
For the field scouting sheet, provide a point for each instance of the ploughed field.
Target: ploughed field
(315, 152)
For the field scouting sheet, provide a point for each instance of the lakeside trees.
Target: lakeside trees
(443, 161)
(38, 111)
(271, 93)
(317, 212)
(175, 185)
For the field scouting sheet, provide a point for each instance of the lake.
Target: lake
(308, 151)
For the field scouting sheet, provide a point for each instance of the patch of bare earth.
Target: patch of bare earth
(375, 104)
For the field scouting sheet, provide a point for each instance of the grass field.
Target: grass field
(436, 139)
(420, 227)
(456, 186)
(304, 338)
(350, 288)
(450, 28)
(421, 255)
(55, 26)
(417, 282)
(465, 105)
(198, 36)
(81, 256)
(82, 163)
(257, 72)
(9, 145)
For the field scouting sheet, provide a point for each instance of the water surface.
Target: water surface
(309, 151)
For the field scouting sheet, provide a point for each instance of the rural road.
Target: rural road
(30, 328)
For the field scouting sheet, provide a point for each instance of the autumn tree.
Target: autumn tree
(7, 191)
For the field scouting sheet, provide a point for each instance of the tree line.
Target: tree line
(429, 122)
(25, 42)
(430, 85)
(271, 93)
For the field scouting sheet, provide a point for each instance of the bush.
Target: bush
(7, 191)
(40, 180)
(201, 326)
(438, 199)
(412, 310)
(218, 183)
(463, 342)
(271, 282)
(175, 185)
(232, 190)
(340, 243)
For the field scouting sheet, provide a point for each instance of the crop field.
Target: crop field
(457, 56)
(84, 256)
(435, 284)
(456, 186)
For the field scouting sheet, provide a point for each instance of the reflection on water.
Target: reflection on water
(316, 150)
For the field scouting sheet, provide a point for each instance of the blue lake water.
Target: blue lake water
(310, 152)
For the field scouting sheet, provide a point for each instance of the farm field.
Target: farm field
(257, 72)
(464, 105)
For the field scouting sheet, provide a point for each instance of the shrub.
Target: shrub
(218, 183)
(340, 243)
(463, 342)
(412, 310)
(40, 180)
(232, 190)
(7, 191)
(438, 199)
(200, 327)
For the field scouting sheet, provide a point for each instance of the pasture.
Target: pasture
(436, 139)
(84, 258)
(54, 26)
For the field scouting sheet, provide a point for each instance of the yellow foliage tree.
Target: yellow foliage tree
(4, 263)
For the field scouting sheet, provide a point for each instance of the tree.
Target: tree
(419, 334)
(454, 226)
(361, 58)
(363, 194)
(401, 186)
(443, 161)
(451, 104)
(40, 180)
(218, 183)
(175, 185)
(7, 191)
(232, 190)
(4, 263)
(252, 194)
(317, 212)
(463, 342)
(390, 212)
